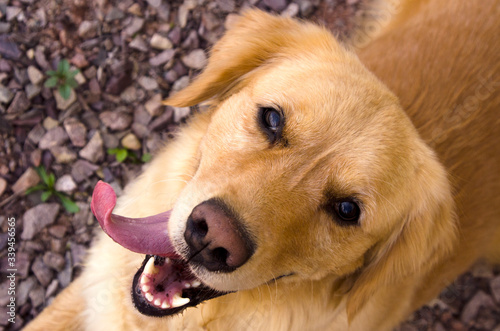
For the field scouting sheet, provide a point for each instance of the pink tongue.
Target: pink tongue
(146, 235)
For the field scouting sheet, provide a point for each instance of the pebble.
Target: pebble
(160, 42)
(82, 170)
(93, 151)
(291, 11)
(35, 76)
(162, 58)
(4, 27)
(276, 5)
(63, 154)
(139, 44)
(37, 218)
(141, 116)
(226, 6)
(154, 3)
(24, 290)
(54, 260)
(52, 288)
(23, 263)
(135, 26)
(76, 131)
(50, 123)
(37, 296)
(20, 103)
(115, 120)
(129, 95)
(135, 9)
(11, 12)
(148, 83)
(88, 29)
(114, 14)
(130, 141)
(3, 185)
(9, 49)
(154, 105)
(472, 307)
(53, 137)
(180, 113)
(65, 276)
(84, 217)
(32, 90)
(58, 231)
(79, 60)
(78, 253)
(62, 103)
(28, 179)
(5, 95)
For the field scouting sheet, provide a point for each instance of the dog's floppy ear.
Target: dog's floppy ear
(255, 39)
(427, 234)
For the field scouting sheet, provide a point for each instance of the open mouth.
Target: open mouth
(164, 285)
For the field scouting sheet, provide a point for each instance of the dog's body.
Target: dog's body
(344, 138)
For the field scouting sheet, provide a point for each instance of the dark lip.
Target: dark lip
(195, 295)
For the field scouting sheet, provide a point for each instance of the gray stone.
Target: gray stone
(148, 83)
(154, 3)
(116, 120)
(180, 113)
(11, 12)
(84, 217)
(162, 58)
(23, 262)
(37, 296)
(32, 90)
(226, 6)
(63, 154)
(42, 272)
(139, 44)
(276, 5)
(36, 134)
(114, 14)
(291, 11)
(93, 151)
(135, 26)
(24, 290)
(480, 299)
(20, 104)
(89, 29)
(28, 179)
(65, 184)
(54, 260)
(4, 27)
(76, 131)
(160, 42)
(129, 95)
(82, 169)
(52, 288)
(35, 76)
(37, 218)
(50, 123)
(65, 276)
(5, 95)
(180, 84)
(54, 137)
(78, 253)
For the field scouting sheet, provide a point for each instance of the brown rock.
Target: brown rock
(20, 104)
(116, 120)
(37, 218)
(76, 131)
(93, 151)
(28, 179)
(42, 272)
(54, 137)
(63, 154)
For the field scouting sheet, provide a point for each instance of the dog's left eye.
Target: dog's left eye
(271, 120)
(348, 211)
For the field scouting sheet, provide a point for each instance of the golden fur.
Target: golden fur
(422, 223)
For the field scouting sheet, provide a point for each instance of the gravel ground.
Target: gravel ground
(131, 55)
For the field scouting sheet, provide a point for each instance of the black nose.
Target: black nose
(216, 238)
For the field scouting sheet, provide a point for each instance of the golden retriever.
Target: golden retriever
(308, 196)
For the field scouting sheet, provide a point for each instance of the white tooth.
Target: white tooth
(167, 260)
(145, 288)
(165, 305)
(144, 280)
(149, 297)
(157, 302)
(177, 301)
(187, 285)
(195, 283)
(150, 267)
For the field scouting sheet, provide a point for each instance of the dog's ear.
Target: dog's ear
(426, 235)
(255, 39)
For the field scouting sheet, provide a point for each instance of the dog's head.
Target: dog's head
(307, 168)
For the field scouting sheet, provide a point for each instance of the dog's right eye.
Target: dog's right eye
(271, 121)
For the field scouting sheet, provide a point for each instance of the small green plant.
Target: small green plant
(48, 189)
(63, 78)
(121, 154)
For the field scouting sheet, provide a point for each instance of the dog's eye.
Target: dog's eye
(348, 211)
(271, 121)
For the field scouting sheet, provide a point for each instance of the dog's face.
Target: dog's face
(307, 168)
